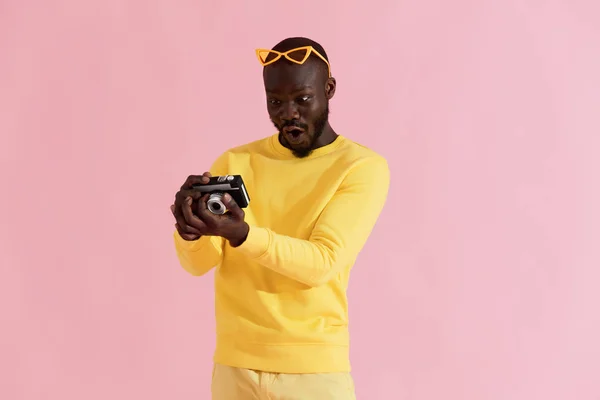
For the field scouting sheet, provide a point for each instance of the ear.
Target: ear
(330, 88)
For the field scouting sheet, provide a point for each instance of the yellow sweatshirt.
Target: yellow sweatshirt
(280, 297)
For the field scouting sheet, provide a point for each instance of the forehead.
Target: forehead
(283, 76)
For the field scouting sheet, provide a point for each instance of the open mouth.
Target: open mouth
(293, 132)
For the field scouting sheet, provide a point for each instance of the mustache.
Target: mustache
(293, 124)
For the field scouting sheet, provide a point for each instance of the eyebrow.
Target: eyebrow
(296, 89)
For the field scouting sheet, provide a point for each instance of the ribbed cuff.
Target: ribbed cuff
(257, 243)
(188, 245)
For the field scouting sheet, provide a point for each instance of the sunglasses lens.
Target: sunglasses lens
(298, 55)
(266, 55)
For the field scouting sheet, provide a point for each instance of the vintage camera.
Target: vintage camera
(218, 186)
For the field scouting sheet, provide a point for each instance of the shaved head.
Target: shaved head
(295, 42)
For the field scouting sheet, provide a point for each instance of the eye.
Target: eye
(274, 102)
(304, 99)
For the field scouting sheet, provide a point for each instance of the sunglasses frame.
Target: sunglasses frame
(279, 54)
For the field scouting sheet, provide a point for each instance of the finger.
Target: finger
(183, 223)
(193, 193)
(179, 217)
(185, 229)
(186, 236)
(233, 207)
(195, 180)
(191, 219)
(204, 214)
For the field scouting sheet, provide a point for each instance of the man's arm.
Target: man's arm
(338, 236)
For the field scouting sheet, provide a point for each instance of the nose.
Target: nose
(289, 112)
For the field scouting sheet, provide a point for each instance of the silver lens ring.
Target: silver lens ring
(215, 204)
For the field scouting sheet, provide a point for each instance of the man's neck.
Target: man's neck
(327, 137)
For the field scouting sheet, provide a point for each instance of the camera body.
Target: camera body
(218, 186)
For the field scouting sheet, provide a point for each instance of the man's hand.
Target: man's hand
(187, 231)
(194, 221)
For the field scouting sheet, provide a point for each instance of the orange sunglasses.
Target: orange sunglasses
(298, 55)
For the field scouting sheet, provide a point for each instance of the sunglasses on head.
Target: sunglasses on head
(299, 55)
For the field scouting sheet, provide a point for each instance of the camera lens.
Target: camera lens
(215, 204)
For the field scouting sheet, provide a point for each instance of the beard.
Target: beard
(318, 127)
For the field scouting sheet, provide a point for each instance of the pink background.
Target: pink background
(480, 282)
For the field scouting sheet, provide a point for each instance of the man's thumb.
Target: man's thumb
(232, 206)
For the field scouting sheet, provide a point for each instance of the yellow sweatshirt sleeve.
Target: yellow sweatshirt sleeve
(200, 256)
(339, 235)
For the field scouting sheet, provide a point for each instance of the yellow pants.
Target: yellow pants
(229, 383)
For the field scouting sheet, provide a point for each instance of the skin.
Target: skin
(297, 95)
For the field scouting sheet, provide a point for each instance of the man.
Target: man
(282, 266)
